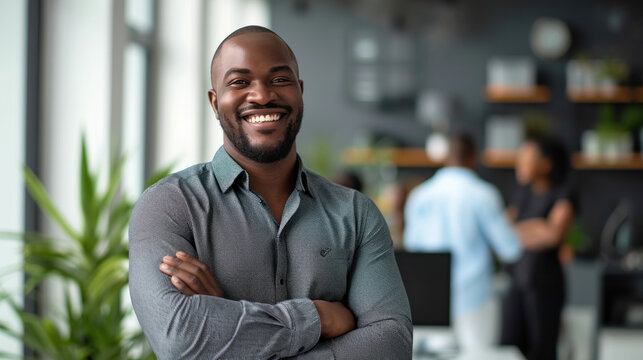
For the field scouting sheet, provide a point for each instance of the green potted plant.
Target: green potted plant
(91, 263)
(632, 119)
(576, 241)
(612, 72)
(612, 135)
(536, 123)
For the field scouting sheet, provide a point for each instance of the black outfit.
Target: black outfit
(532, 308)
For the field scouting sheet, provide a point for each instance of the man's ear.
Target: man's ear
(212, 96)
(301, 85)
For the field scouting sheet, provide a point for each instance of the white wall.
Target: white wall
(13, 24)
(76, 68)
(179, 96)
(76, 80)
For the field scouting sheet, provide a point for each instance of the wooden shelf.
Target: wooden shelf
(494, 158)
(491, 158)
(632, 161)
(598, 95)
(517, 94)
(638, 94)
(506, 159)
(402, 157)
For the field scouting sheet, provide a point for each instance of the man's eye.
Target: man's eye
(238, 82)
(281, 80)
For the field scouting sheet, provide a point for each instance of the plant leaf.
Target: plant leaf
(158, 176)
(41, 256)
(118, 221)
(87, 183)
(42, 198)
(10, 332)
(115, 177)
(6, 355)
(108, 280)
(37, 335)
(90, 260)
(88, 202)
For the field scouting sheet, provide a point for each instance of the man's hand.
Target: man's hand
(335, 318)
(189, 275)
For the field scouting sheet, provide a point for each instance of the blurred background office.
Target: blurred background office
(387, 83)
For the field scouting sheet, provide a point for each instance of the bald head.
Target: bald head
(250, 29)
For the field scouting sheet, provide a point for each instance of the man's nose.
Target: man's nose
(261, 94)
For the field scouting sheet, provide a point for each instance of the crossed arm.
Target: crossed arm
(546, 233)
(191, 277)
(191, 318)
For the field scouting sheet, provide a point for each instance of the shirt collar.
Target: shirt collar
(302, 184)
(456, 170)
(227, 172)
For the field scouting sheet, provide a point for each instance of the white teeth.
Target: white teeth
(263, 118)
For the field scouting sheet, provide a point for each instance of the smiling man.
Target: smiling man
(252, 256)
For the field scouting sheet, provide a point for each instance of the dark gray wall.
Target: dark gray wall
(453, 57)
(318, 38)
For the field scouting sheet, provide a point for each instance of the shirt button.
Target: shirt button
(281, 281)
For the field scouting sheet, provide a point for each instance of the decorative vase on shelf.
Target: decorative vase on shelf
(616, 146)
(607, 86)
(598, 77)
(579, 75)
(437, 146)
(511, 72)
(591, 146)
(504, 132)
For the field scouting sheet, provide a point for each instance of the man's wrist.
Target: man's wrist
(323, 316)
(335, 318)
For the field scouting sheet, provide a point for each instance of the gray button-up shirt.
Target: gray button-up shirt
(332, 244)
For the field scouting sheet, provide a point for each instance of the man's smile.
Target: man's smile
(260, 118)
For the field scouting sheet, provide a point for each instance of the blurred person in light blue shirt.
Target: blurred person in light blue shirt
(457, 211)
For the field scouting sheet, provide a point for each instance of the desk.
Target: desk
(496, 353)
(442, 341)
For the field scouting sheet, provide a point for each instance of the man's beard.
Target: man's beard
(260, 154)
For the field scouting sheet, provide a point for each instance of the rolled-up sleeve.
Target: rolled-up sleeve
(200, 326)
